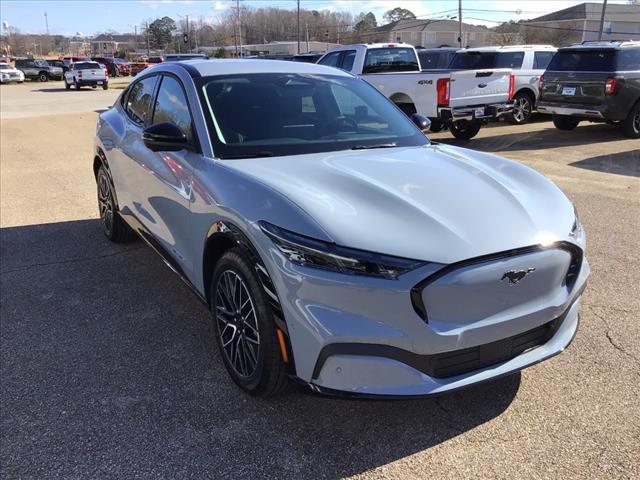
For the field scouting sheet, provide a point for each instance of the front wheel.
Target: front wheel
(563, 122)
(114, 227)
(76, 84)
(66, 84)
(244, 327)
(43, 77)
(631, 125)
(465, 129)
(105, 86)
(522, 108)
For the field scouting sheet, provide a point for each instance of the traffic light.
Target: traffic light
(185, 38)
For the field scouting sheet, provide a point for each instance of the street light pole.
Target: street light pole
(298, 35)
(460, 23)
(604, 8)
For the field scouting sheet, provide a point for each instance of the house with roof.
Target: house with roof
(433, 33)
(582, 22)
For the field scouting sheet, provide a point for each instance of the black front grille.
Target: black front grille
(458, 362)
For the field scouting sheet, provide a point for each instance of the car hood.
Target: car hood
(435, 203)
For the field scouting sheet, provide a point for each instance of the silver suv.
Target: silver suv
(528, 63)
(333, 242)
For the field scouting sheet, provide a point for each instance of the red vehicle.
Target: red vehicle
(137, 67)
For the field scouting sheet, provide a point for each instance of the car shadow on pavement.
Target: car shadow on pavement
(110, 368)
(622, 163)
(584, 134)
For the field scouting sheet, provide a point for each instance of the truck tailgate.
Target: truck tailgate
(479, 87)
(92, 74)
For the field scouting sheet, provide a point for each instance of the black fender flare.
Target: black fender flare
(227, 235)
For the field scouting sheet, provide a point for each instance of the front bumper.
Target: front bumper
(366, 337)
(477, 112)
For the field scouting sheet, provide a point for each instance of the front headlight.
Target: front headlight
(314, 253)
(577, 231)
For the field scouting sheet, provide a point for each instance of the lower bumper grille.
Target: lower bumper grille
(458, 362)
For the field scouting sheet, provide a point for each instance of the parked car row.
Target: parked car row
(594, 81)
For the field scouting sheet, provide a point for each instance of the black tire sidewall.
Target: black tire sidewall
(471, 130)
(236, 261)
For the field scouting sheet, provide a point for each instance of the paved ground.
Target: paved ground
(109, 368)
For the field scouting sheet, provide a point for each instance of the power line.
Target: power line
(566, 29)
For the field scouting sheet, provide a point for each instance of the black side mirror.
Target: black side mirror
(165, 136)
(422, 122)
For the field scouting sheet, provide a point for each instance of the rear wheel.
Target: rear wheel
(66, 85)
(522, 108)
(631, 125)
(245, 331)
(465, 129)
(43, 76)
(437, 125)
(407, 108)
(105, 86)
(562, 122)
(114, 227)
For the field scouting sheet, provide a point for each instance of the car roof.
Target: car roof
(238, 66)
(503, 48)
(614, 44)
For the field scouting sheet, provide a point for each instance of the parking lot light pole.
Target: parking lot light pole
(604, 9)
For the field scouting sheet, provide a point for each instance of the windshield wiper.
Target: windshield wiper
(377, 145)
(247, 155)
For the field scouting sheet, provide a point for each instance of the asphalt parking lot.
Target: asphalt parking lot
(109, 368)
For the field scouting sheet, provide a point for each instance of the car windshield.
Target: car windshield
(274, 114)
(4, 66)
(583, 60)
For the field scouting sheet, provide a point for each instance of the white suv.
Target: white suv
(528, 63)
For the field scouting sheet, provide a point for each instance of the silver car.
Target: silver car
(333, 242)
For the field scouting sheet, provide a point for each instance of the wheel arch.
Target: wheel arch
(529, 91)
(222, 237)
(99, 160)
(400, 99)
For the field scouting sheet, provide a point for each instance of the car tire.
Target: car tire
(245, 331)
(563, 122)
(76, 85)
(105, 86)
(43, 77)
(407, 108)
(631, 125)
(465, 129)
(436, 126)
(114, 227)
(523, 107)
(66, 85)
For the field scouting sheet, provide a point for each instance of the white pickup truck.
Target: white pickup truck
(460, 101)
(82, 74)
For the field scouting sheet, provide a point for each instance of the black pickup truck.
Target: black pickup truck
(594, 81)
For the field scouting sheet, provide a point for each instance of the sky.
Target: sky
(88, 17)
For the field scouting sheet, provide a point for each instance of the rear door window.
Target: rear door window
(583, 61)
(348, 59)
(139, 98)
(330, 59)
(473, 60)
(511, 60)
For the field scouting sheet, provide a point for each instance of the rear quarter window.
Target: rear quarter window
(541, 60)
(509, 60)
(629, 59)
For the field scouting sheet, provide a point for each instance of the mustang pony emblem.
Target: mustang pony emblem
(514, 276)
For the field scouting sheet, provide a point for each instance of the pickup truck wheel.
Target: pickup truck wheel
(245, 331)
(631, 125)
(436, 126)
(465, 129)
(43, 76)
(76, 84)
(522, 108)
(562, 122)
(114, 227)
(66, 85)
(105, 86)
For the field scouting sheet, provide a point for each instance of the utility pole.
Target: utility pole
(239, 42)
(604, 8)
(298, 35)
(135, 34)
(46, 22)
(306, 25)
(460, 23)
(188, 35)
(147, 32)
